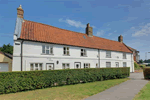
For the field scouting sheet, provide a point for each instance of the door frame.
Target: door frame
(49, 63)
(118, 64)
(75, 66)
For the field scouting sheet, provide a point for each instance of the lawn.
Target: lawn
(144, 94)
(68, 92)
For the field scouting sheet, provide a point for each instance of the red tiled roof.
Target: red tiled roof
(45, 33)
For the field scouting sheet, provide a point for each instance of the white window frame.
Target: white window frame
(107, 65)
(124, 64)
(108, 54)
(124, 56)
(86, 65)
(83, 51)
(34, 66)
(46, 48)
(66, 51)
(65, 66)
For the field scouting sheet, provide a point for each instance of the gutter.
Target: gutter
(21, 53)
(98, 58)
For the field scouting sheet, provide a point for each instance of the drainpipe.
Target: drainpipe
(99, 58)
(21, 53)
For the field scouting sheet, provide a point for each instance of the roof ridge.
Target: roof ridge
(54, 26)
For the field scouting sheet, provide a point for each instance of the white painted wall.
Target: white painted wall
(32, 53)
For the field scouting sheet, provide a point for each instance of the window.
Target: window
(108, 64)
(36, 66)
(86, 65)
(65, 66)
(124, 64)
(83, 52)
(108, 54)
(96, 65)
(47, 49)
(66, 50)
(124, 55)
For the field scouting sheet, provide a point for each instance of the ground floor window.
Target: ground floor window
(36, 66)
(124, 64)
(96, 65)
(108, 64)
(65, 66)
(86, 65)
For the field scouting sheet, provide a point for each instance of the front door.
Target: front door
(50, 66)
(77, 65)
(117, 64)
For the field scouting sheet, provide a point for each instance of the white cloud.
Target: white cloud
(115, 31)
(143, 30)
(100, 33)
(109, 34)
(77, 24)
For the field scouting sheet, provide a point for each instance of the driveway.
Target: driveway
(124, 91)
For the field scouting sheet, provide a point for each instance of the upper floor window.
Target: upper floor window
(124, 64)
(86, 65)
(108, 64)
(66, 50)
(124, 55)
(47, 49)
(108, 54)
(65, 65)
(83, 52)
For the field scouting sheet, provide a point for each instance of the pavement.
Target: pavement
(124, 91)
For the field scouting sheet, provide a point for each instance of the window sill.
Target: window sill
(66, 55)
(46, 54)
(83, 56)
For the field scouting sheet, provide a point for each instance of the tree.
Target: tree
(7, 48)
(141, 61)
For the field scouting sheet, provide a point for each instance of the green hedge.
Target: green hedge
(146, 72)
(11, 82)
(136, 66)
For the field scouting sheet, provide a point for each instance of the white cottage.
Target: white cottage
(39, 46)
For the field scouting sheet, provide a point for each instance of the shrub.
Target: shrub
(146, 72)
(136, 66)
(29, 80)
(142, 66)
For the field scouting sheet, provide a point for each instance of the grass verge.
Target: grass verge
(144, 94)
(70, 92)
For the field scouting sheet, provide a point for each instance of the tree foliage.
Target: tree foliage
(141, 61)
(7, 48)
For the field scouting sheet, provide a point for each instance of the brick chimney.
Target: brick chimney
(120, 38)
(20, 12)
(89, 30)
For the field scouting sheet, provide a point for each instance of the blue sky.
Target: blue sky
(109, 18)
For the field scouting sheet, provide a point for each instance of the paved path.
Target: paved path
(124, 91)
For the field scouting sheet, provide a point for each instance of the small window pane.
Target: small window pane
(47, 47)
(43, 49)
(47, 51)
(40, 66)
(36, 64)
(81, 49)
(67, 52)
(64, 48)
(64, 52)
(31, 67)
(51, 51)
(67, 48)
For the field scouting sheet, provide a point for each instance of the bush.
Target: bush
(142, 66)
(146, 72)
(11, 82)
(136, 66)
(148, 65)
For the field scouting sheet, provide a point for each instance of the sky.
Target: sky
(109, 18)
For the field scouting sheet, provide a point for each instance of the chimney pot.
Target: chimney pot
(20, 12)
